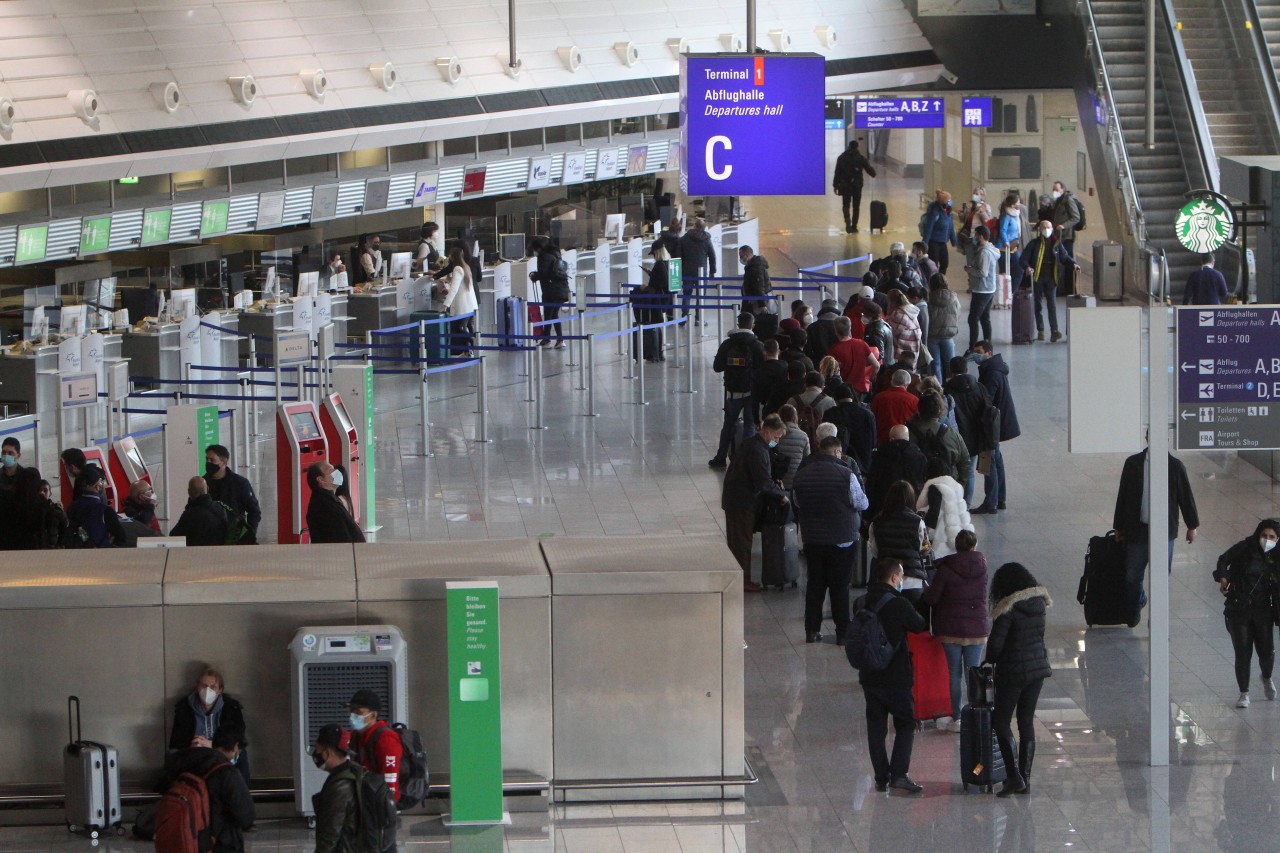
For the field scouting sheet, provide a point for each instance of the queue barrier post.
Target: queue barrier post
(426, 421)
(244, 417)
(622, 325)
(688, 355)
(640, 365)
(482, 401)
(537, 402)
(590, 368)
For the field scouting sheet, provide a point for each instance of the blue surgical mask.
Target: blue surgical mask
(8, 460)
(235, 759)
(773, 443)
(357, 723)
(337, 479)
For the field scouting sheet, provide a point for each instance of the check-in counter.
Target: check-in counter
(403, 584)
(155, 352)
(89, 624)
(369, 311)
(647, 663)
(27, 381)
(264, 321)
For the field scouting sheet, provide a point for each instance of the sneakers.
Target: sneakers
(1040, 335)
(717, 463)
(905, 783)
(955, 727)
(1269, 688)
(944, 723)
(1055, 337)
(815, 637)
(1243, 701)
(560, 345)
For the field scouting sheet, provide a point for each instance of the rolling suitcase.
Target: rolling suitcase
(1101, 589)
(92, 774)
(1024, 320)
(879, 216)
(931, 688)
(779, 556)
(512, 322)
(981, 762)
(1004, 284)
(535, 316)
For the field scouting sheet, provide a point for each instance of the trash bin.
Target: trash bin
(1108, 270)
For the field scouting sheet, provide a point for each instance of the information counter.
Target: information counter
(154, 352)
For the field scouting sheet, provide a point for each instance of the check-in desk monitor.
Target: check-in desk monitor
(299, 443)
(344, 446)
(127, 464)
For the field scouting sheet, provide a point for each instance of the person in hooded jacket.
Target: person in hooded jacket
(1016, 648)
(945, 514)
(1248, 575)
(206, 712)
(555, 291)
(938, 229)
(757, 289)
(972, 402)
(993, 374)
(897, 531)
(958, 598)
(696, 250)
(944, 324)
(855, 425)
(903, 321)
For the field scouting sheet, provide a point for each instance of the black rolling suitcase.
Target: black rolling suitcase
(1101, 589)
(779, 556)
(879, 216)
(981, 762)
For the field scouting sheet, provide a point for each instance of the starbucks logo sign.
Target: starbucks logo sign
(1204, 224)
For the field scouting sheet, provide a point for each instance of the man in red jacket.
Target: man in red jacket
(375, 743)
(894, 405)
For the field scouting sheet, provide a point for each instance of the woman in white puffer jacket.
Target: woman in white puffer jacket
(946, 513)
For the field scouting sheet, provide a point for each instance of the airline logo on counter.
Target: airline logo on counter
(753, 125)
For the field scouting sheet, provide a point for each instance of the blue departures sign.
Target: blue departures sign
(975, 112)
(894, 113)
(753, 125)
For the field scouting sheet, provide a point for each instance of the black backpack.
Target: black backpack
(739, 365)
(935, 449)
(376, 810)
(1080, 210)
(414, 780)
(867, 645)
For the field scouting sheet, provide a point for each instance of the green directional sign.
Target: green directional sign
(675, 275)
(95, 235)
(1204, 224)
(213, 218)
(206, 432)
(368, 469)
(33, 240)
(155, 226)
(475, 703)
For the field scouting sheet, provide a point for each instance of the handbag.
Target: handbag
(981, 685)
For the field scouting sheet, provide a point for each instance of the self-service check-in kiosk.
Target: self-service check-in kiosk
(344, 445)
(299, 443)
(93, 456)
(127, 464)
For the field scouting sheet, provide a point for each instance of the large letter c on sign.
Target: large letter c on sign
(712, 172)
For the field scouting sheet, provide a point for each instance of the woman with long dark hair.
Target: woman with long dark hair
(1247, 575)
(1016, 648)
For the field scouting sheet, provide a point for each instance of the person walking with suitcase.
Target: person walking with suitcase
(847, 183)
(1017, 651)
(1132, 519)
(958, 596)
(1046, 264)
(1248, 575)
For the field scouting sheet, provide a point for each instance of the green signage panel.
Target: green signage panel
(206, 432)
(368, 469)
(1204, 224)
(675, 275)
(155, 226)
(32, 242)
(95, 235)
(475, 703)
(213, 218)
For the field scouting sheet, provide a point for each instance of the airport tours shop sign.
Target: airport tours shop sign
(753, 124)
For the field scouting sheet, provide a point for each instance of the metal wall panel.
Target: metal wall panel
(64, 239)
(350, 198)
(184, 225)
(297, 206)
(126, 230)
(243, 213)
(8, 245)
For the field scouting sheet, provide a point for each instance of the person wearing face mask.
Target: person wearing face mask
(973, 213)
(329, 272)
(1248, 575)
(1047, 266)
(937, 229)
(328, 519)
(369, 259)
(52, 525)
(203, 522)
(19, 498)
(1065, 218)
(748, 482)
(376, 745)
(207, 713)
(141, 505)
(231, 811)
(234, 492)
(1008, 239)
(92, 521)
(337, 806)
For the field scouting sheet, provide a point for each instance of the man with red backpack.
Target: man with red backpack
(377, 746)
(207, 806)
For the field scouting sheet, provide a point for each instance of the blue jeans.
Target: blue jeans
(959, 659)
(735, 407)
(968, 487)
(1137, 554)
(997, 486)
(942, 350)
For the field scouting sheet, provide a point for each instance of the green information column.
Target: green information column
(206, 433)
(369, 469)
(475, 703)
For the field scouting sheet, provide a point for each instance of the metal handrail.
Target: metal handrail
(1270, 79)
(1191, 93)
(1114, 133)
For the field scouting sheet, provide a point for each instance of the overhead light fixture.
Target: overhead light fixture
(243, 89)
(315, 82)
(782, 39)
(85, 104)
(678, 46)
(7, 114)
(826, 35)
(627, 52)
(167, 96)
(732, 42)
(384, 74)
(571, 56)
(450, 69)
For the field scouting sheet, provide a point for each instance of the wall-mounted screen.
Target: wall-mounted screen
(213, 218)
(33, 240)
(155, 226)
(324, 202)
(473, 180)
(95, 235)
(375, 194)
(270, 210)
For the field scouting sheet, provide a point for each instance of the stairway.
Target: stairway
(1158, 173)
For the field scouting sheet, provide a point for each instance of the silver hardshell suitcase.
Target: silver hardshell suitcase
(92, 774)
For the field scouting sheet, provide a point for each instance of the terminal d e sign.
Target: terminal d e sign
(753, 124)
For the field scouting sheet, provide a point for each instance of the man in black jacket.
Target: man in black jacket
(327, 517)
(972, 404)
(554, 281)
(738, 358)
(898, 459)
(855, 425)
(337, 806)
(993, 373)
(847, 183)
(203, 522)
(757, 289)
(770, 377)
(232, 491)
(749, 481)
(888, 691)
(1133, 514)
(696, 250)
(230, 804)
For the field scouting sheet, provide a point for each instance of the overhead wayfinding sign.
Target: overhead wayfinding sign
(752, 125)
(892, 113)
(1228, 383)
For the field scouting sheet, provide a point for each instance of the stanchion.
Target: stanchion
(482, 401)
(537, 403)
(530, 347)
(426, 421)
(244, 417)
(631, 353)
(591, 377)
(279, 384)
(622, 325)
(640, 366)
(581, 325)
(688, 357)
(719, 312)
(302, 382)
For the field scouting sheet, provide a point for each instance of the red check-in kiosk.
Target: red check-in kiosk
(127, 464)
(344, 445)
(93, 456)
(299, 443)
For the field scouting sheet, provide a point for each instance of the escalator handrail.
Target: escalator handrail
(1137, 219)
(1270, 78)
(1191, 94)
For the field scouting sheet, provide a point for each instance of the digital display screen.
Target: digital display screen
(344, 423)
(375, 194)
(136, 458)
(473, 180)
(33, 240)
(95, 235)
(213, 218)
(304, 425)
(324, 202)
(975, 112)
(155, 226)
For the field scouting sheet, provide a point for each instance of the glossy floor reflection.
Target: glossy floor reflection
(642, 469)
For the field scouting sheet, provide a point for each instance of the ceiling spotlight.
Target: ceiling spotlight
(732, 42)
(678, 46)
(627, 52)
(571, 57)
(781, 38)
(7, 114)
(384, 74)
(85, 103)
(826, 35)
(167, 96)
(450, 69)
(243, 89)
(315, 82)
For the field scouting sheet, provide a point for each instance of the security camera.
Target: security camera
(571, 57)
(826, 35)
(781, 38)
(450, 69)
(315, 82)
(243, 89)
(732, 42)
(948, 76)
(627, 52)
(384, 74)
(167, 96)
(85, 103)
(7, 114)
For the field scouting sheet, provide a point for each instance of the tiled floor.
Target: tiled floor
(640, 469)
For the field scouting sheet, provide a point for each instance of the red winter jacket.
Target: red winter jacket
(378, 748)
